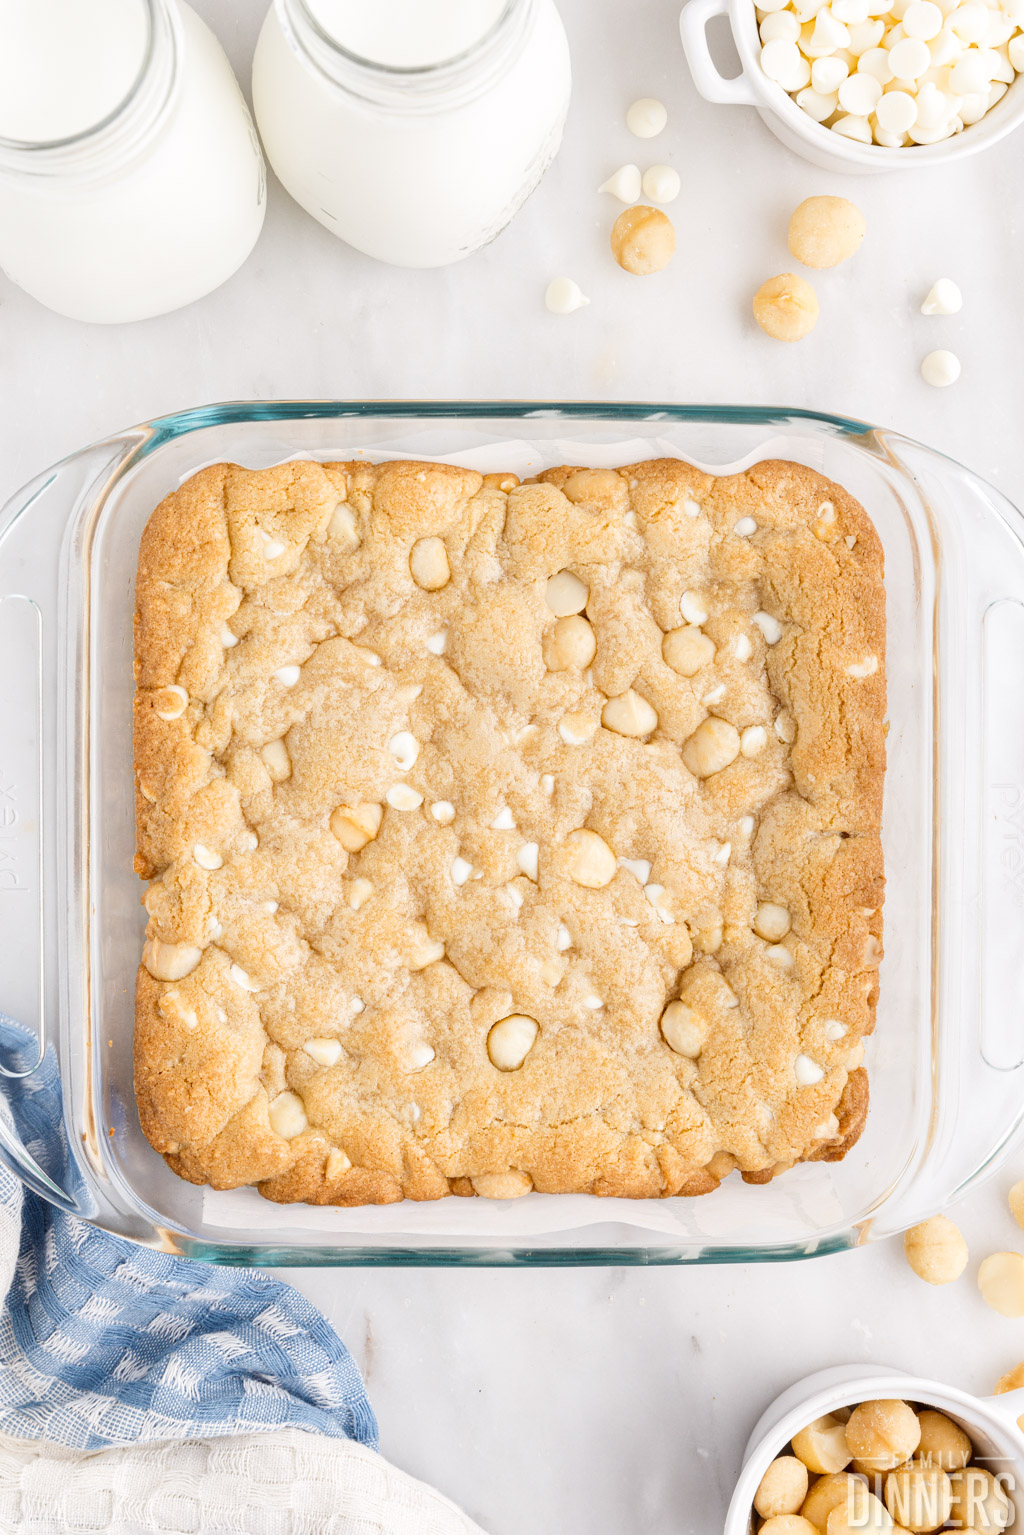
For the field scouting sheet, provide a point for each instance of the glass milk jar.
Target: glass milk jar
(412, 129)
(131, 180)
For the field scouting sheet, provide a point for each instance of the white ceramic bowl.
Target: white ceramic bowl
(990, 1421)
(790, 123)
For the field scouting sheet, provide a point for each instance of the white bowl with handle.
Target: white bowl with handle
(990, 1421)
(790, 123)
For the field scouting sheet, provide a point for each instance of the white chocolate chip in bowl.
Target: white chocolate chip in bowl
(287, 1115)
(510, 1040)
(565, 594)
(629, 714)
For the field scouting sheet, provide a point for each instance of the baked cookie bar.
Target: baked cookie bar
(506, 836)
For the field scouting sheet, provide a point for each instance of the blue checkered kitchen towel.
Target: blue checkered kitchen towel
(106, 1343)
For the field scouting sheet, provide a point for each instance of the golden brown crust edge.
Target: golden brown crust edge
(203, 1099)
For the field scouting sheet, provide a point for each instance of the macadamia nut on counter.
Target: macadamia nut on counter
(935, 1250)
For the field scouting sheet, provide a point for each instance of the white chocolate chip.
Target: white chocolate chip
(171, 1005)
(692, 609)
(216, 928)
(326, 1052)
(357, 1006)
(424, 950)
(647, 117)
(342, 529)
(504, 820)
(356, 825)
(547, 783)
(742, 648)
(682, 1030)
(564, 296)
(828, 1129)
(640, 868)
(206, 858)
(785, 727)
(276, 760)
(227, 637)
(940, 369)
(864, 668)
(222, 1016)
(691, 508)
(272, 549)
(170, 961)
(714, 744)
(564, 938)
(565, 594)
(745, 527)
(515, 897)
(807, 1071)
(779, 955)
(435, 643)
(746, 825)
(242, 979)
(576, 729)
(460, 871)
(723, 853)
(769, 627)
(658, 897)
(336, 1165)
(771, 921)
(592, 1002)
(287, 1115)
(359, 892)
(405, 748)
(590, 862)
(625, 184)
(714, 695)
(629, 714)
(510, 1041)
(443, 812)
(410, 691)
(420, 1056)
(944, 297)
(173, 706)
(753, 740)
(428, 562)
(834, 1029)
(401, 796)
(287, 676)
(367, 656)
(527, 860)
(687, 650)
(661, 184)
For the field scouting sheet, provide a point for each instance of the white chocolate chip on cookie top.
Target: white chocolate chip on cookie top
(507, 837)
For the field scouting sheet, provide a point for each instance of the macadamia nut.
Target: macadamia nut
(822, 1446)
(1001, 1282)
(883, 1434)
(783, 1487)
(935, 1250)
(1016, 1202)
(510, 1041)
(918, 1497)
(571, 643)
(686, 650)
(943, 1443)
(643, 240)
(978, 1501)
(714, 744)
(841, 1489)
(591, 862)
(1011, 1381)
(869, 1515)
(825, 230)
(786, 307)
(787, 1524)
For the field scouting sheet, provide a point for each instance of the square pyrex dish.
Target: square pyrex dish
(947, 1060)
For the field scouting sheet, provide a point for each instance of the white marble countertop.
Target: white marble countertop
(609, 1401)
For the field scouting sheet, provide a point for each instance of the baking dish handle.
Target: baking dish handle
(37, 763)
(693, 29)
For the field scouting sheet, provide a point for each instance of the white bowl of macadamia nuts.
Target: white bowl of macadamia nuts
(869, 85)
(866, 1448)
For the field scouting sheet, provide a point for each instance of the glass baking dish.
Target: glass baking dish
(947, 1059)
